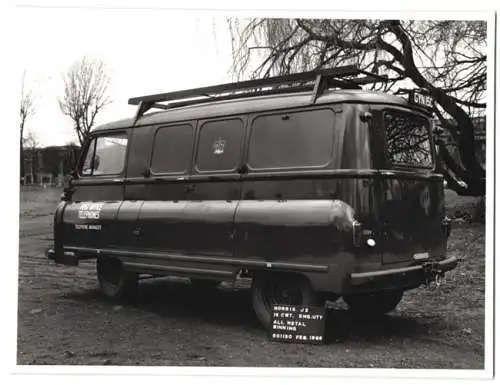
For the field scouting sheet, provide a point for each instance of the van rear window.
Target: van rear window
(291, 140)
(407, 139)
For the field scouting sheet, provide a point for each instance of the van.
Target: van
(311, 185)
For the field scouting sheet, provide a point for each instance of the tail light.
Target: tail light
(357, 233)
(362, 236)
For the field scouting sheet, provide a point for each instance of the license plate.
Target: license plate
(420, 256)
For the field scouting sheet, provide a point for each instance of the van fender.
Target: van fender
(296, 212)
(271, 231)
(342, 216)
(58, 223)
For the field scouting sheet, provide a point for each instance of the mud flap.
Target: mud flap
(67, 258)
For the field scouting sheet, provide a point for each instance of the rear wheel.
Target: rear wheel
(369, 304)
(282, 289)
(115, 282)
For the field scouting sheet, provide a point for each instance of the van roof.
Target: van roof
(245, 105)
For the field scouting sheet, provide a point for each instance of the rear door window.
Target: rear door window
(408, 140)
(219, 145)
(291, 140)
(105, 155)
(172, 149)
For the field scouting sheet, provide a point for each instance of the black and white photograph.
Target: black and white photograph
(234, 191)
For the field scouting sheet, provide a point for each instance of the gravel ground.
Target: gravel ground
(63, 320)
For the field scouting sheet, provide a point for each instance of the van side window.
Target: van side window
(219, 145)
(105, 155)
(291, 139)
(172, 149)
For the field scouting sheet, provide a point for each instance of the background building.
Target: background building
(48, 165)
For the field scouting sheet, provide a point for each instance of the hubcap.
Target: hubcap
(281, 292)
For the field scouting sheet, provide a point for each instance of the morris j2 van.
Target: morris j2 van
(311, 185)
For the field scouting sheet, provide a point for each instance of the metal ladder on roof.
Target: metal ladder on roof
(317, 82)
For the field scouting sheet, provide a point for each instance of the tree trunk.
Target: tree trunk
(475, 174)
(479, 214)
(21, 159)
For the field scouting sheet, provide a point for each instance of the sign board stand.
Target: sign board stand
(298, 324)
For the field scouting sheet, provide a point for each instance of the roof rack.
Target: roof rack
(345, 77)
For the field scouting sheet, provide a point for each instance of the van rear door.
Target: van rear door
(411, 216)
(412, 198)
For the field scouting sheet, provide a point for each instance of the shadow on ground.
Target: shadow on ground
(232, 307)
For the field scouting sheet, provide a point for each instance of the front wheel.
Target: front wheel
(373, 304)
(115, 282)
(279, 289)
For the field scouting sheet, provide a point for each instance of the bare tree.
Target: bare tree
(29, 146)
(27, 109)
(86, 84)
(30, 141)
(446, 58)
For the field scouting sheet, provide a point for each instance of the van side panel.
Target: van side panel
(92, 224)
(295, 230)
(189, 228)
(98, 190)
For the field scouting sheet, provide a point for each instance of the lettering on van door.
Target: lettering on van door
(86, 211)
(85, 226)
(90, 210)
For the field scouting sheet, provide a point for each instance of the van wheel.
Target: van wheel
(373, 304)
(204, 283)
(282, 289)
(115, 282)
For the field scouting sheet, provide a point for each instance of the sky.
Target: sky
(144, 52)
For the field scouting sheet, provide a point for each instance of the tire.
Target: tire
(115, 282)
(204, 284)
(283, 289)
(373, 304)
(323, 297)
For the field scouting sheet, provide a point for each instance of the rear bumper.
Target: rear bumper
(410, 276)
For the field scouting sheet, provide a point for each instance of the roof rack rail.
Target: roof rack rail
(318, 81)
